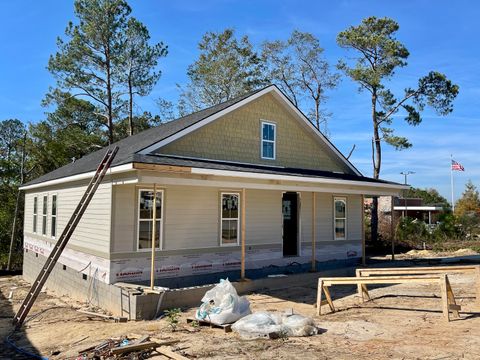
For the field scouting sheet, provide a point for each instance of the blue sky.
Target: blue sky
(440, 35)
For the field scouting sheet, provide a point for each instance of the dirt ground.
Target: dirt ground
(401, 322)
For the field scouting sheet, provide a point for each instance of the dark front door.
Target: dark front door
(290, 224)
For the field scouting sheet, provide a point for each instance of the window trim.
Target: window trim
(237, 218)
(344, 199)
(45, 215)
(161, 191)
(274, 141)
(54, 216)
(35, 215)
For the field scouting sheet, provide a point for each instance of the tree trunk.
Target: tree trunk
(15, 215)
(377, 160)
(109, 95)
(317, 114)
(130, 107)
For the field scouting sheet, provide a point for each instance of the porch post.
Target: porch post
(242, 221)
(314, 208)
(364, 260)
(429, 217)
(392, 230)
(154, 223)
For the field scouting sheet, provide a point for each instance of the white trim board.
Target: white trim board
(271, 89)
(82, 176)
(253, 175)
(419, 208)
(321, 188)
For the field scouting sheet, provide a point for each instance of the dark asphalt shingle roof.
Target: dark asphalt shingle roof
(130, 146)
(133, 144)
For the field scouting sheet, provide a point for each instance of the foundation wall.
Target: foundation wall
(65, 281)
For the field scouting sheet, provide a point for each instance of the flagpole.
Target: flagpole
(451, 181)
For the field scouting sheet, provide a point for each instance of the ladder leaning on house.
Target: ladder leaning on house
(64, 238)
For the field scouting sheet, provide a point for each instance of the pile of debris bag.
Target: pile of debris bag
(222, 305)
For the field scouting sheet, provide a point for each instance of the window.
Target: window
(340, 218)
(268, 140)
(145, 213)
(53, 224)
(44, 215)
(35, 213)
(230, 205)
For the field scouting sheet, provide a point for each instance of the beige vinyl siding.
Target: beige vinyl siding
(324, 217)
(354, 217)
(263, 217)
(28, 213)
(306, 216)
(236, 137)
(93, 231)
(191, 217)
(124, 218)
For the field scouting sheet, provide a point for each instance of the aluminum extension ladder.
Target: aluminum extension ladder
(64, 238)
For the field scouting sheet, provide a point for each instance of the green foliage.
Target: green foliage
(12, 140)
(411, 230)
(87, 63)
(138, 62)
(469, 203)
(172, 317)
(430, 196)
(297, 66)
(379, 55)
(142, 122)
(70, 132)
(105, 56)
(227, 67)
(448, 228)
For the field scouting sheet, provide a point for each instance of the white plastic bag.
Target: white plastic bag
(222, 305)
(274, 325)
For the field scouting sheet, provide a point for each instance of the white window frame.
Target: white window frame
(274, 141)
(237, 218)
(344, 199)
(45, 215)
(160, 243)
(35, 215)
(52, 216)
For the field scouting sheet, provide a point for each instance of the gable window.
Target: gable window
(268, 140)
(145, 221)
(53, 224)
(340, 218)
(44, 215)
(230, 205)
(35, 213)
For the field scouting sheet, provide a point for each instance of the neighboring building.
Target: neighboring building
(259, 146)
(411, 207)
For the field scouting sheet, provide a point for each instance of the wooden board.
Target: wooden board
(227, 327)
(448, 298)
(418, 270)
(328, 281)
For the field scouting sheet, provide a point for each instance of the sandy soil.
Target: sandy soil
(401, 322)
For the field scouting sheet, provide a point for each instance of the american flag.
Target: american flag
(457, 166)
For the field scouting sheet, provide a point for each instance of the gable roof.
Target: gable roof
(149, 140)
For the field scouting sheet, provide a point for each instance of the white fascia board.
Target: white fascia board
(149, 180)
(253, 175)
(229, 109)
(113, 170)
(419, 208)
